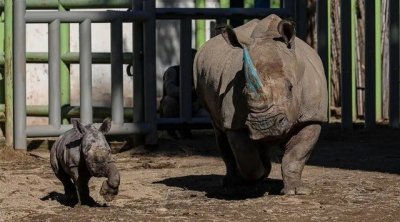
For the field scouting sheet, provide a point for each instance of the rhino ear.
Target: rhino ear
(78, 127)
(232, 38)
(288, 31)
(105, 126)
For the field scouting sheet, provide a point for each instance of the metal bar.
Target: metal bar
(370, 51)
(378, 61)
(64, 67)
(137, 61)
(74, 4)
(394, 63)
(262, 3)
(185, 69)
(8, 73)
(194, 120)
(117, 84)
(93, 16)
(290, 5)
(301, 19)
(346, 51)
(353, 60)
(19, 76)
(71, 57)
(2, 35)
(125, 129)
(215, 13)
(150, 95)
(54, 74)
(200, 26)
(85, 49)
(71, 111)
(324, 40)
(235, 22)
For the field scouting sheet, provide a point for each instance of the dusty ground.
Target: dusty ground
(355, 177)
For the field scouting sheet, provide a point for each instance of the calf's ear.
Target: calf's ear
(232, 38)
(78, 127)
(105, 126)
(288, 32)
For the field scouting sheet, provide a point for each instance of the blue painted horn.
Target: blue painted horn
(253, 81)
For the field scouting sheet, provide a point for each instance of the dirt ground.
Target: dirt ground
(355, 177)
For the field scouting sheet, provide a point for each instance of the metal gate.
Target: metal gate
(143, 16)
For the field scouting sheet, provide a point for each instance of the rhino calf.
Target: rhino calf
(262, 87)
(80, 154)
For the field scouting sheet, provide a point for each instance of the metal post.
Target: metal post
(117, 85)
(2, 90)
(186, 69)
(85, 49)
(54, 74)
(378, 60)
(394, 63)
(237, 4)
(370, 51)
(291, 6)
(2, 86)
(8, 73)
(347, 48)
(323, 13)
(149, 30)
(65, 67)
(138, 97)
(19, 76)
(262, 3)
(301, 18)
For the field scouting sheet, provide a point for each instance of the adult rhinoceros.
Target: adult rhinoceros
(262, 86)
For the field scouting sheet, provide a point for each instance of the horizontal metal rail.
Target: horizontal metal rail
(71, 57)
(161, 13)
(124, 129)
(217, 13)
(74, 4)
(93, 16)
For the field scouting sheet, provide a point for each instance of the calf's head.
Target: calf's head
(271, 82)
(94, 146)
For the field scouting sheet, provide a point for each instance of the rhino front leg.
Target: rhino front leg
(297, 152)
(231, 178)
(248, 159)
(82, 188)
(69, 188)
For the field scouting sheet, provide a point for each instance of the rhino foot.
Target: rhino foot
(299, 190)
(230, 181)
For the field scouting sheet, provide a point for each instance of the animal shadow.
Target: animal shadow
(212, 186)
(68, 201)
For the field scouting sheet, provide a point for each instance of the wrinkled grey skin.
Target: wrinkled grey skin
(287, 110)
(80, 154)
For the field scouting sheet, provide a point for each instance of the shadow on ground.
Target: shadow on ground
(367, 150)
(66, 201)
(211, 185)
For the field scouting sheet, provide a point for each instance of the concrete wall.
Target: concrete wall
(167, 51)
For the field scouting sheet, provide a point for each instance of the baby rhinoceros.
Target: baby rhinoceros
(81, 153)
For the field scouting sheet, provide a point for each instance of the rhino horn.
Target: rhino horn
(253, 81)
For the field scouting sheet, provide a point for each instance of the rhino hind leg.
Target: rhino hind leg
(297, 152)
(250, 165)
